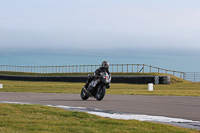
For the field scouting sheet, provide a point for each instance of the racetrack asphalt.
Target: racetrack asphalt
(169, 106)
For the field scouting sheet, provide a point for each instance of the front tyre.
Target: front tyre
(101, 91)
(84, 95)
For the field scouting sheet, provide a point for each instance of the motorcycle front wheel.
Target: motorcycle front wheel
(84, 95)
(101, 91)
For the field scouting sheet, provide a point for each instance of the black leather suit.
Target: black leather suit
(96, 74)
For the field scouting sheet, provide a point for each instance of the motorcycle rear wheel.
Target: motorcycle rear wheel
(84, 95)
(101, 91)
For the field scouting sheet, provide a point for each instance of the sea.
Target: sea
(185, 61)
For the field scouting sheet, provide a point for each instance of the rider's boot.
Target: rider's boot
(85, 87)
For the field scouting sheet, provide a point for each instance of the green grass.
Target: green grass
(180, 88)
(37, 118)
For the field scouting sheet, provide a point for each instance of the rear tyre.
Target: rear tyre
(101, 91)
(84, 95)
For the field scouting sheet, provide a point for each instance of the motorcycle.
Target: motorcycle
(97, 87)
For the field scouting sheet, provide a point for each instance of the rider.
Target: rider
(104, 68)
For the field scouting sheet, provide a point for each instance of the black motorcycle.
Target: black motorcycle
(97, 87)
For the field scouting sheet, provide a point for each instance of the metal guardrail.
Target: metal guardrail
(115, 68)
(192, 76)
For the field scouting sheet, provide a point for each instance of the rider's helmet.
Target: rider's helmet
(105, 64)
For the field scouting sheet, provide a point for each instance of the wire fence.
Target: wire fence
(192, 76)
(114, 68)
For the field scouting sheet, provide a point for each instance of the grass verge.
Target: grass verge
(37, 118)
(180, 88)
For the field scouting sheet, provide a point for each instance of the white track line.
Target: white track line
(139, 117)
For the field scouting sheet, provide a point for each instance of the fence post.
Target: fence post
(112, 68)
(122, 68)
(150, 69)
(132, 68)
(117, 68)
(137, 68)
(158, 70)
(143, 68)
(87, 68)
(127, 68)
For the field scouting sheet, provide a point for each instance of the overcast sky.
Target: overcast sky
(93, 24)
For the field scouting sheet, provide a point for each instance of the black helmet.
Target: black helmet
(105, 64)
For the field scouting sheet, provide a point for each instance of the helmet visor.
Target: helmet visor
(105, 64)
